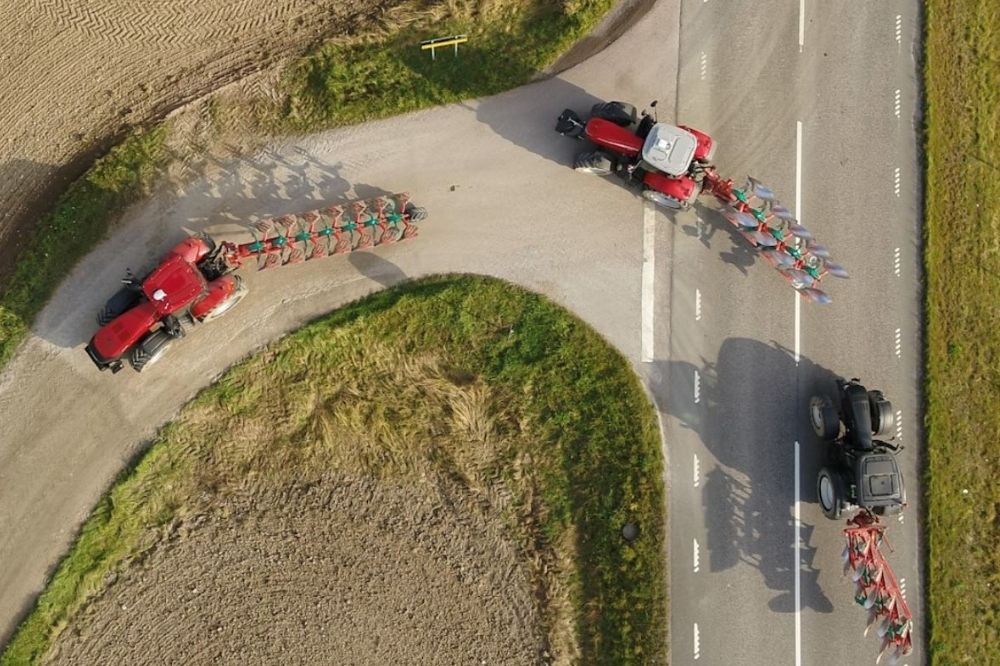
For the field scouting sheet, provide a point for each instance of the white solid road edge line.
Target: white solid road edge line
(798, 565)
(648, 275)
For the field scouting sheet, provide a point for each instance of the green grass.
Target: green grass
(78, 222)
(962, 257)
(472, 378)
(348, 83)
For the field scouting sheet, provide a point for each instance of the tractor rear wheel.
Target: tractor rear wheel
(883, 418)
(665, 200)
(117, 305)
(831, 493)
(150, 350)
(225, 306)
(823, 418)
(594, 163)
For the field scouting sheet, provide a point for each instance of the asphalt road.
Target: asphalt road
(673, 293)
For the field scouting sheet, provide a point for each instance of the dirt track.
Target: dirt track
(77, 73)
(348, 571)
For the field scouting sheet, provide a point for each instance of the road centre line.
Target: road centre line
(648, 278)
(697, 642)
(696, 555)
(798, 565)
(802, 24)
(697, 304)
(697, 387)
(697, 471)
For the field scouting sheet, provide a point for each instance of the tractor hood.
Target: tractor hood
(669, 149)
(173, 285)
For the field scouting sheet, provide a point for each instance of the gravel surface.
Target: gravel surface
(348, 571)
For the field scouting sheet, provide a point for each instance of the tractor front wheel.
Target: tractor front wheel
(150, 350)
(831, 493)
(594, 163)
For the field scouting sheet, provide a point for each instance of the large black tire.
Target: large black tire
(619, 113)
(123, 301)
(823, 418)
(831, 493)
(594, 163)
(150, 349)
(664, 200)
(883, 418)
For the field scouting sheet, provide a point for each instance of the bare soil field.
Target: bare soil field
(347, 570)
(79, 73)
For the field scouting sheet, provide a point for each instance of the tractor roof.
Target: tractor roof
(670, 149)
(173, 285)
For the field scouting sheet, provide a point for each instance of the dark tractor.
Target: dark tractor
(861, 469)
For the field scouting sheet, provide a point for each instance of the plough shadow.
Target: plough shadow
(748, 498)
(226, 203)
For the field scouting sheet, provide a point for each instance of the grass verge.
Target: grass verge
(962, 261)
(77, 224)
(493, 387)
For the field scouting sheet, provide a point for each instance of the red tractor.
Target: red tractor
(665, 161)
(194, 282)
(672, 165)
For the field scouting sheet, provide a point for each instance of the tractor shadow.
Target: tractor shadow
(749, 416)
(225, 202)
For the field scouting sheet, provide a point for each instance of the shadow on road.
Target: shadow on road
(225, 203)
(748, 416)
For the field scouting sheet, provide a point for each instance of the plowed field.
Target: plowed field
(78, 73)
(346, 571)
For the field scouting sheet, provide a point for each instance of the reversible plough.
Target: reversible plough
(877, 588)
(195, 283)
(672, 166)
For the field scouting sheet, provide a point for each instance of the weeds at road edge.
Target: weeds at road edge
(962, 263)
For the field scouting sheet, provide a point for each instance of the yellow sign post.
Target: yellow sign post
(434, 44)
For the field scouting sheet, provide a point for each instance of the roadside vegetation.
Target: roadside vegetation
(962, 257)
(467, 378)
(347, 80)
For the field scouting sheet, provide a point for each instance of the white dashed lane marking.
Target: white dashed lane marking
(895, 181)
(697, 387)
(697, 471)
(897, 103)
(696, 555)
(897, 262)
(899, 29)
(697, 304)
(899, 343)
(697, 642)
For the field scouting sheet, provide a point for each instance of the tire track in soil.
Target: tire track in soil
(78, 74)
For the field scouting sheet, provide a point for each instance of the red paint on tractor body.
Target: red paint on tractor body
(192, 249)
(173, 285)
(218, 291)
(117, 337)
(682, 188)
(606, 134)
(703, 151)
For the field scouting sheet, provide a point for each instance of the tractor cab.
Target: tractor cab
(173, 285)
(668, 149)
(878, 483)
